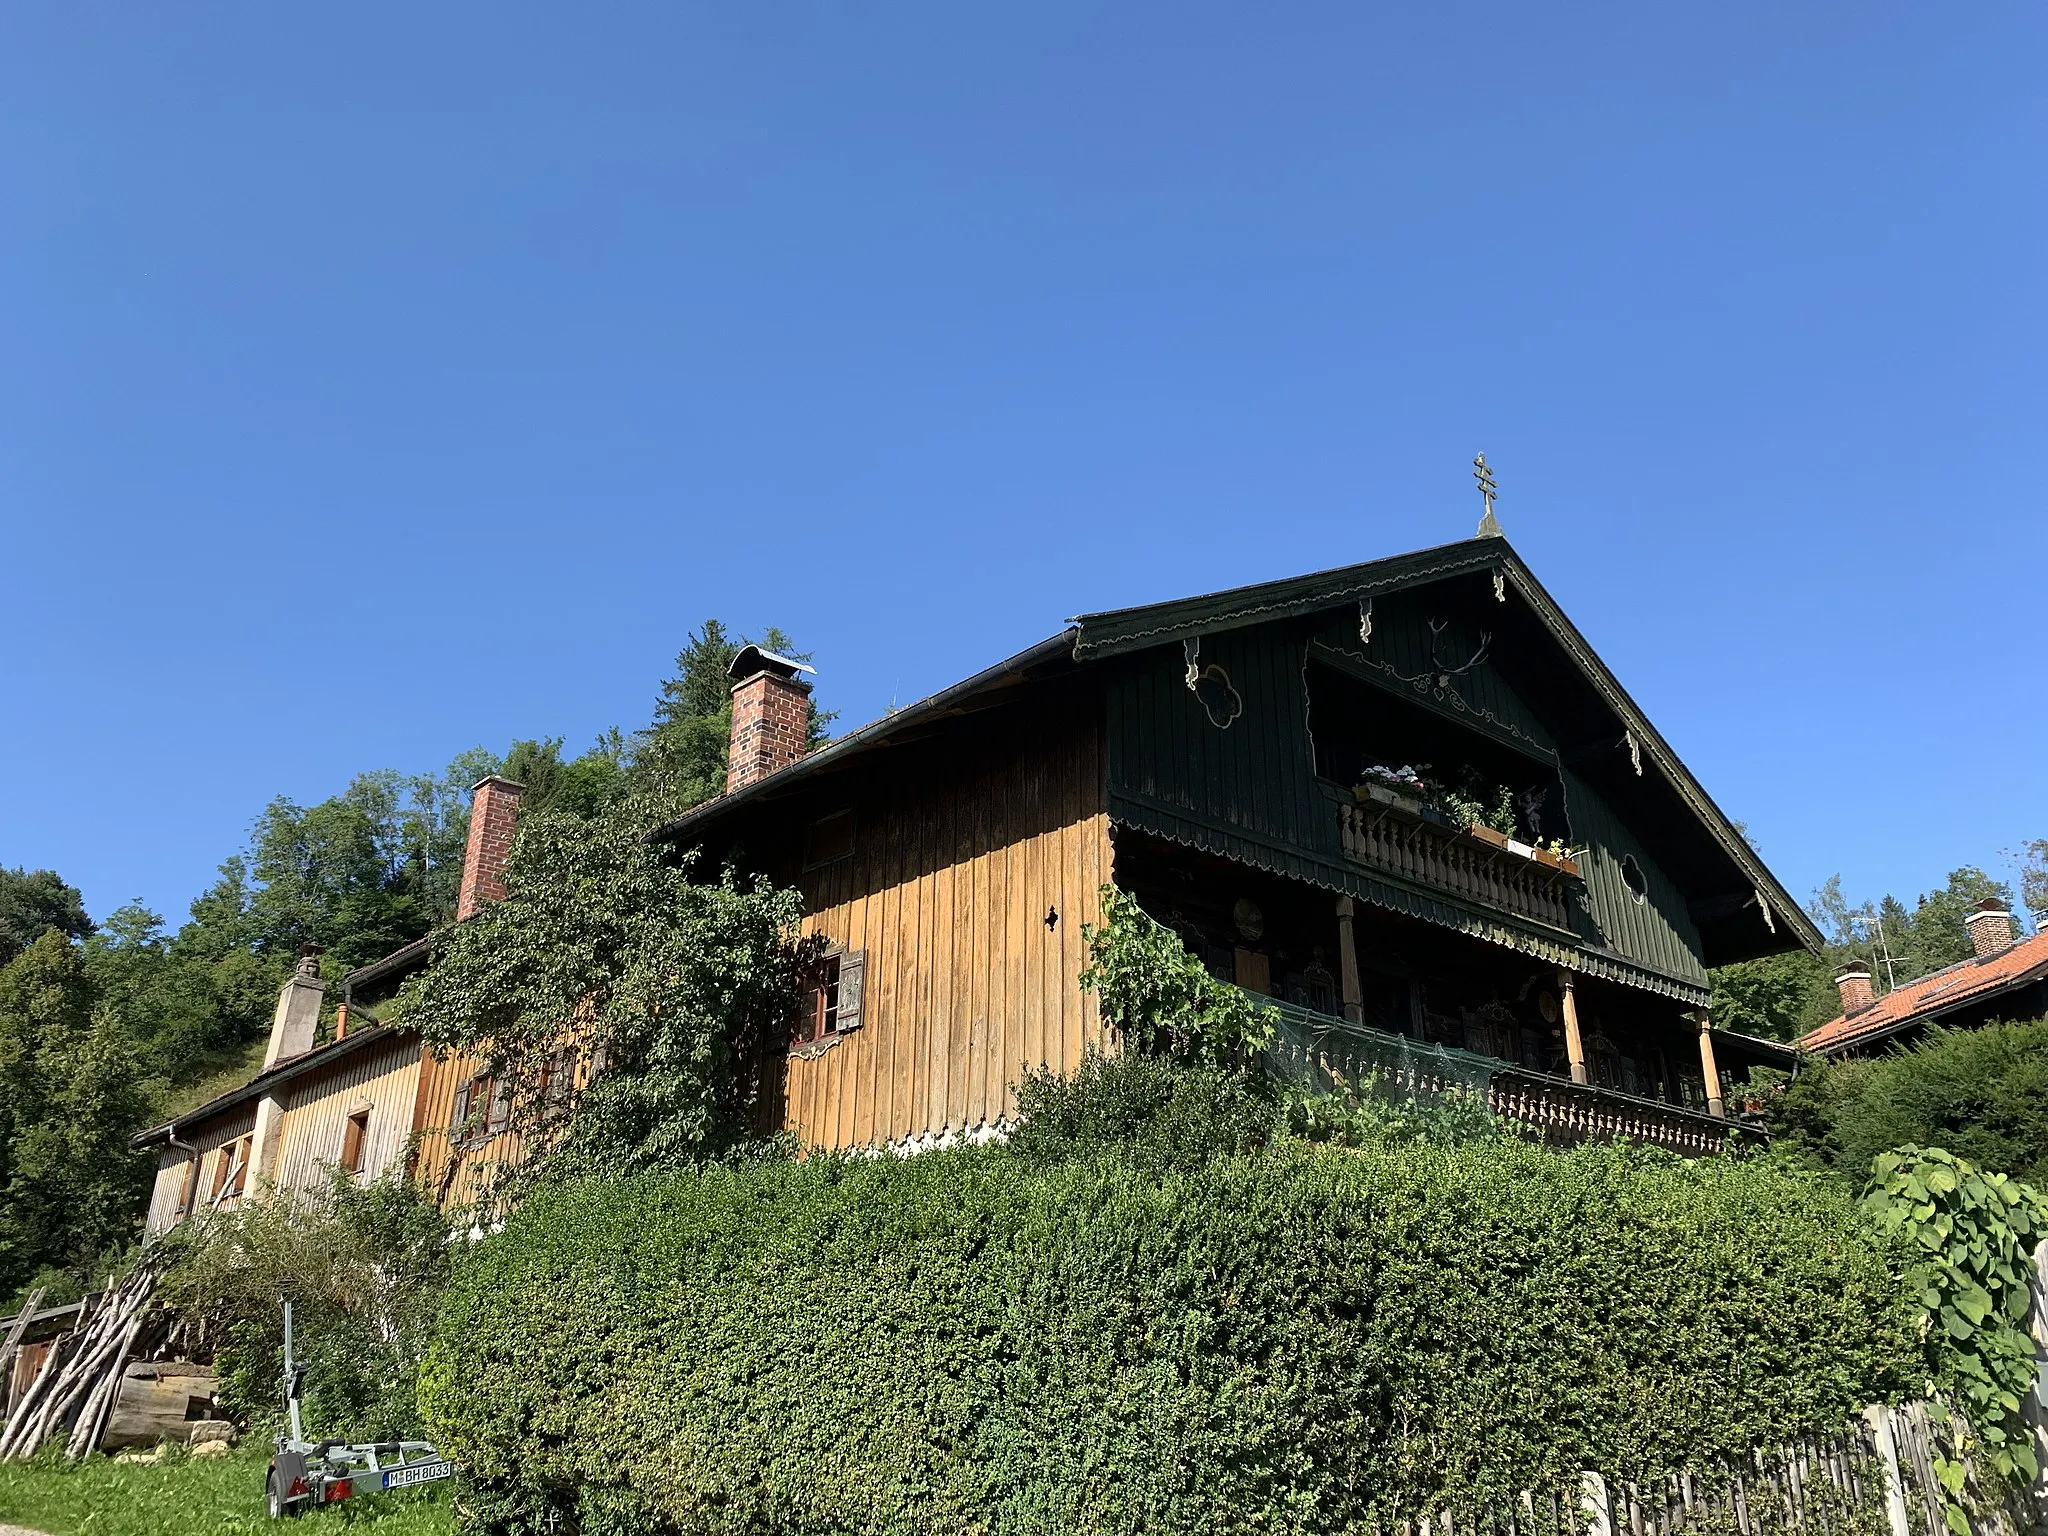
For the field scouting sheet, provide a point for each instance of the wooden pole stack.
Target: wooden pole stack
(78, 1387)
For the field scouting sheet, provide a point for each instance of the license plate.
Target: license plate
(422, 1472)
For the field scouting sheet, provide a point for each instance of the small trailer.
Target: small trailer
(304, 1473)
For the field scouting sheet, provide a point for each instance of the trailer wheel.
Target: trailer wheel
(280, 1507)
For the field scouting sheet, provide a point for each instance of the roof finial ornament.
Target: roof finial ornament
(1489, 525)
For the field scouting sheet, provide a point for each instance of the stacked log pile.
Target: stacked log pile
(75, 1393)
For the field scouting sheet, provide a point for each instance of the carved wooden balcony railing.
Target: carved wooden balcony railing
(1325, 1053)
(1388, 836)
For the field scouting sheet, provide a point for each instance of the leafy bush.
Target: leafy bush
(668, 988)
(1370, 1111)
(364, 1268)
(1979, 1093)
(1969, 1237)
(1157, 993)
(1157, 1113)
(1300, 1341)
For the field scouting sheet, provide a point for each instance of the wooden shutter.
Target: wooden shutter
(501, 1108)
(852, 985)
(458, 1121)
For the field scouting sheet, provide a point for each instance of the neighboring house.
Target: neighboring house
(2004, 980)
(1231, 761)
(369, 1100)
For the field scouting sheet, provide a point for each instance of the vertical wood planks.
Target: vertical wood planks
(955, 865)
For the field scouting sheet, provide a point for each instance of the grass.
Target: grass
(182, 1497)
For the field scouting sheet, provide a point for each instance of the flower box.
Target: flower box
(1379, 794)
(1492, 838)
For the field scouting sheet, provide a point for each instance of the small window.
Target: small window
(465, 1125)
(829, 839)
(238, 1166)
(832, 998)
(353, 1136)
(1632, 876)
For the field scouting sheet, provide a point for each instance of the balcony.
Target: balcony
(1325, 1053)
(1389, 832)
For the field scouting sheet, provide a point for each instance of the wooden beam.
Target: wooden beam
(1713, 1073)
(1574, 1042)
(1347, 964)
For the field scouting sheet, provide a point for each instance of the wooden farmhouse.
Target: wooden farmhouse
(1403, 801)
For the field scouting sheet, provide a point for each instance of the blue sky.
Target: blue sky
(380, 381)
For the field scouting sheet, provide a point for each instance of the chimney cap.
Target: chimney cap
(496, 778)
(1853, 968)
(752, 659)
(1990, 906)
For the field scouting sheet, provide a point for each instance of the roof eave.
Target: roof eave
(875, 734)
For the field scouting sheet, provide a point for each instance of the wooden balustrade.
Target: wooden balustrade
(1559, 1110)
(1457, 862)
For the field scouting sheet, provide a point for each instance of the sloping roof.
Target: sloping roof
(316, 1060)
(1116, 631)
(1967, 981)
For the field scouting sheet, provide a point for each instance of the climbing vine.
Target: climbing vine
(1159, 995)
(1969, 1236)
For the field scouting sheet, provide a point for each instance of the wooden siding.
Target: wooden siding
(955, 865)
(1657, 931)
(382, 1079)
(1256, 774)
(453, 1175)
(214, 1141)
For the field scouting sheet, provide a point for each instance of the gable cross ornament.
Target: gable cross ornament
(1489, 525)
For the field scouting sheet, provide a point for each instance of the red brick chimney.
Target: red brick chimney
(771, 716)
(1853, 982)
(493, 815)
(1990, 928)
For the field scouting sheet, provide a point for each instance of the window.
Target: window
(830, 838)
(353, 1136)
(1633, 877)
(231, 1175)
(464, 1124)
(831, 1002)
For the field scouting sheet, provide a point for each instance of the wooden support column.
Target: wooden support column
(1574, 1042)
(1713, 1073)
(1347, 964)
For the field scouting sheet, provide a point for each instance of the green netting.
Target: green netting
(1325, 1054)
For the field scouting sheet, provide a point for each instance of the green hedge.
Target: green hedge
(971, 1341)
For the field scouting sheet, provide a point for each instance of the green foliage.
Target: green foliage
(1779, 997)
(1979, 1093)
(364, 1267)
(1969, 1237)
(36, 902)
(670, 988)
(1157, 1113)
(583, 786)
(366, 871)
(181, 1496)
(1374, 1112)
(1158, 994)
(69, 1097)
(1298, 1341)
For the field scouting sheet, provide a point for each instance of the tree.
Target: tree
(666, 988)
(1779, 997)
(2034, 879)
(70, 1096)
(359, 874)
(1936, 936)
(36, 902)
(583, 786)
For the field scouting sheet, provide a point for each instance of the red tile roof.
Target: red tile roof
(1965, 981)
